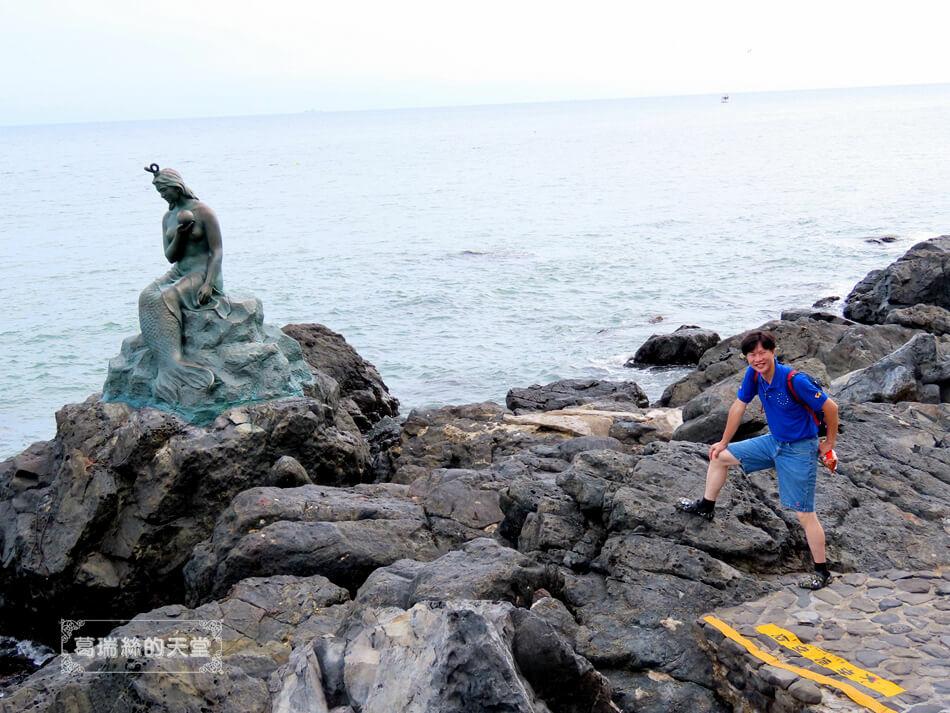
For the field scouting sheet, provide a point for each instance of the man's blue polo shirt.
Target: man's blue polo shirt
(788, 420)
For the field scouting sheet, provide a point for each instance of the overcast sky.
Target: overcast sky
(91, 60)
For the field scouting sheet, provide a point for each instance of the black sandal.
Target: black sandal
(815, 580)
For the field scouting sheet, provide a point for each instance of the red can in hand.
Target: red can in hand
(830, 460)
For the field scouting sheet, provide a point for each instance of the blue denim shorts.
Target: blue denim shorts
(796, 464)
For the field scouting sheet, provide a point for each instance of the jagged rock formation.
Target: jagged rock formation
(364, 395)
(264, 621)
(100, 520)
(917, 371)
(499, 561)
(920, 277)
(442, 637)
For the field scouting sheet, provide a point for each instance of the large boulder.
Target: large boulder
(99, 522)
(915, 372)
(575, 392)
(685, 345)
(363, 393)
(251, 361)
(460, 504)
(704, 416)
(929, 318)
(343, 534)
(892, 485)
(463, 503)
(920, 277)
(437, 657)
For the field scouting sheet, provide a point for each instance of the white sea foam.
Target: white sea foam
(37, 653)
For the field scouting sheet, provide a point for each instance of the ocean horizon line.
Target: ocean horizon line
(473, 105)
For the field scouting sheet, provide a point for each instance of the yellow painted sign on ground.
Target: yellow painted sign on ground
(850, 691)
(835, 663)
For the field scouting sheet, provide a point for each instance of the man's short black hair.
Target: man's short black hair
(754, 339)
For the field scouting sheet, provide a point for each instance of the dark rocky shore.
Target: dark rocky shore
(489, 558)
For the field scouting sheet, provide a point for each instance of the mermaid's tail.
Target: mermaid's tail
(161, 332)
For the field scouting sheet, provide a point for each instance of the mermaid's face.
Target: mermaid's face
(169, 193)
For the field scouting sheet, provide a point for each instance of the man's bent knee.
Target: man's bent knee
(725, 458)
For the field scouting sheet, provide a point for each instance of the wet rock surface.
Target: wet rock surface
(686, 345)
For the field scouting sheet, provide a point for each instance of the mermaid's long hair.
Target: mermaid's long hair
(169, 177)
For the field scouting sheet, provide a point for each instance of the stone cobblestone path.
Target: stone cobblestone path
(883, 636)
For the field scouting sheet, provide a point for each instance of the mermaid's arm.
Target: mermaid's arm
(212, 232)
(175, 248)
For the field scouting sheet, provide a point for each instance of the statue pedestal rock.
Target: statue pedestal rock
(200, 352)
(251, 361)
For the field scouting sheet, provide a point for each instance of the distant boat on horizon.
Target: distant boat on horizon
(724, 99)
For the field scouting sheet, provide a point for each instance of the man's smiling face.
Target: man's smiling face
(761, 359)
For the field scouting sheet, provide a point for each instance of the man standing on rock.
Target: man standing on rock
(791, 447)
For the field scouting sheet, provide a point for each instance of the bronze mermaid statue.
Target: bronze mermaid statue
(191, 238)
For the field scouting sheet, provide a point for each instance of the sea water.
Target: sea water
(466, 251)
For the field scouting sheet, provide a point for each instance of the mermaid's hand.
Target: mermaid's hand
(204, 294)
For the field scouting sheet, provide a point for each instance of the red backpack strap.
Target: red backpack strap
(791, 392)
